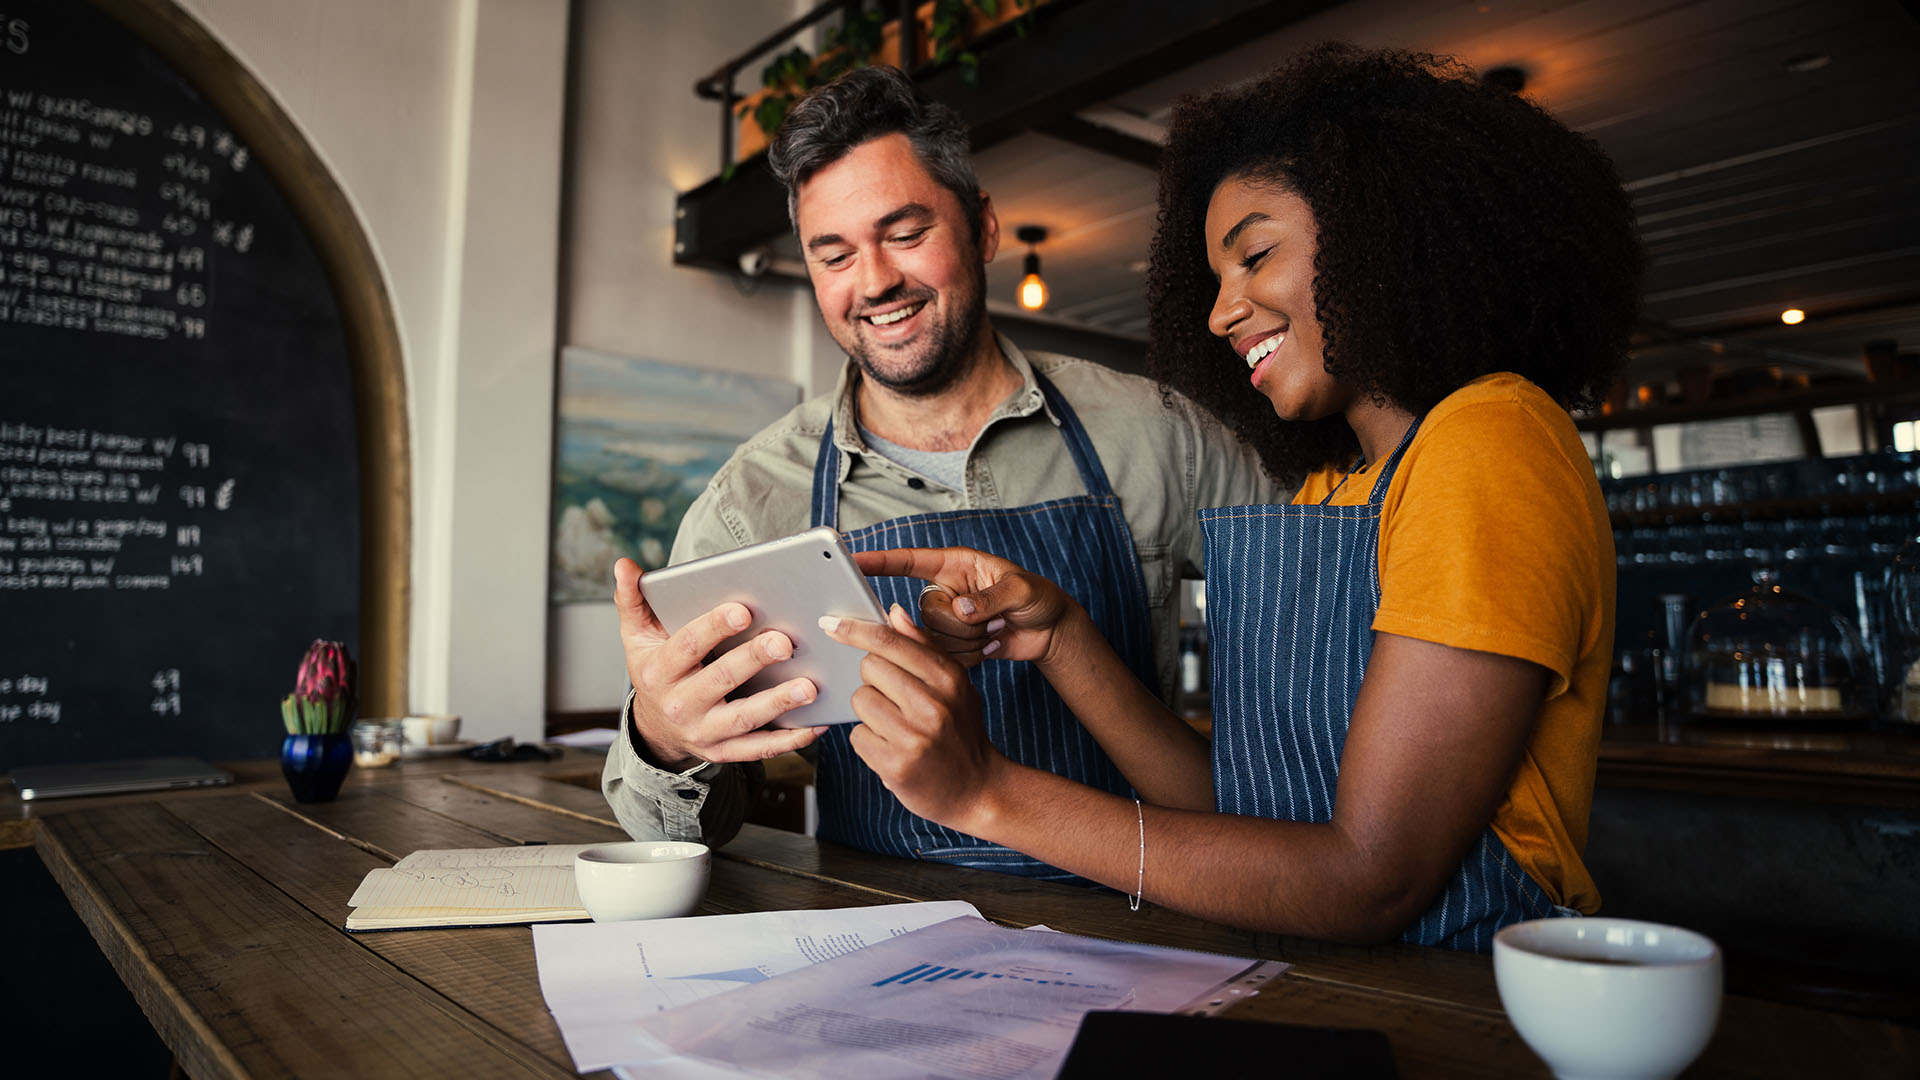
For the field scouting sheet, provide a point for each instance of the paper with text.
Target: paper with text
(601, 979)
(963, 999)
(462, 879)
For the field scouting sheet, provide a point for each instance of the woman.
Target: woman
(1418, 274)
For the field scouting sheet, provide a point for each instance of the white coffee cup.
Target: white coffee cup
(427, 729)
(1609, 998)
(642, 879)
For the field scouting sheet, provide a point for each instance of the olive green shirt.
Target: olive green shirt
(1165, 459)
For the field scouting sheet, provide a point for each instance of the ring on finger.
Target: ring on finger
(931, 587)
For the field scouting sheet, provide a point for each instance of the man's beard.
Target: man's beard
(934, 361)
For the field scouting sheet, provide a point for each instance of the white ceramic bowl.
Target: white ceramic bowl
(642, 879)
(426, 730)
(1603, 998)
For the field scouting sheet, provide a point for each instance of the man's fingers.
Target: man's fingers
(751, 713)
(743, 661)
(636, 615)
(759, 745)
(690, 645)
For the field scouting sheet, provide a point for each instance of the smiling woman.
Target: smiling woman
(1459, 230)
(1416, 273)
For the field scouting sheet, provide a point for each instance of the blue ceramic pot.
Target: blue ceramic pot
(314, 765)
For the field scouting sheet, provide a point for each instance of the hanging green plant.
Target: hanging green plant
(853, 44)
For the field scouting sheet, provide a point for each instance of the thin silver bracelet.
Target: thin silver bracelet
(1140, 816)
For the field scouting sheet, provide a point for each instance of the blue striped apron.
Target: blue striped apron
(1290, 643)
(1083, 544)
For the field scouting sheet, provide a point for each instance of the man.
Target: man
(941, 432)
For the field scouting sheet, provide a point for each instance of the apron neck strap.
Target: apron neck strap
(1381, 482)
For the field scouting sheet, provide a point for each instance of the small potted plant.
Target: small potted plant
(317, 752)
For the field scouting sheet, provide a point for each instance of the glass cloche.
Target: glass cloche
(1770, 655)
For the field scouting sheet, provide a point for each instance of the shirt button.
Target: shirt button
(687, 793)
(916, 483)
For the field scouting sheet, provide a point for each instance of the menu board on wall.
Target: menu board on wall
(179, 508)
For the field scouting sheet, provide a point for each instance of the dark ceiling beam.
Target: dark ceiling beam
(1649, 332)
(1104, 140)
(1076, 55)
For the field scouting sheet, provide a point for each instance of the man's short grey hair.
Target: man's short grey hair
(866, 104)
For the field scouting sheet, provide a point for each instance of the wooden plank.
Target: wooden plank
(1763, 1040)
(489, 971)
(514, 819)
(541, 789)
(241, 980)
(1428, 1039)
(1756, 1040)
(385, 824)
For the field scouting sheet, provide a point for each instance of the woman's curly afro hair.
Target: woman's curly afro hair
(1461, 231)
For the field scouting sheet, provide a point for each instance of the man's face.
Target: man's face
(900, 281)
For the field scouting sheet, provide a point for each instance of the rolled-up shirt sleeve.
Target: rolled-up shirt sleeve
(707, 806)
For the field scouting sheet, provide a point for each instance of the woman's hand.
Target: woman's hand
(920, 721)
(985, 607)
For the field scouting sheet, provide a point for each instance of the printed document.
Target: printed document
(962, 999)
(601, 979)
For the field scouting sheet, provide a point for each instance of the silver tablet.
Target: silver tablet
(787, 584)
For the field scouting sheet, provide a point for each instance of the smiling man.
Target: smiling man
(940, 432)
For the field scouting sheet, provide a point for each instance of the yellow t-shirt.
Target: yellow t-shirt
(1495, 538)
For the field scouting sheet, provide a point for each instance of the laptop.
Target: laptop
(114, 777)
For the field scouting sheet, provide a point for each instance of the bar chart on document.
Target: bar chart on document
(928, 974)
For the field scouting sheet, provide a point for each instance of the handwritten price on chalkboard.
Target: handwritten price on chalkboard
(191, 168)
(166, 692)
(195, 495)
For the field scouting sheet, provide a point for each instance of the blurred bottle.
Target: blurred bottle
(1193, 662)
(1903, 604)
(1871, 617)
(1673, 613)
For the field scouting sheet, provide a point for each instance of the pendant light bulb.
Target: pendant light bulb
(1033, 291)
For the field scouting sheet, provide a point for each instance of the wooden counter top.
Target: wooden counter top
(221, 911)
(1878, 768)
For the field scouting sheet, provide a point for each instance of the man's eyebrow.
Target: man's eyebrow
(884, 222)
(1233, 234)
(910, 210)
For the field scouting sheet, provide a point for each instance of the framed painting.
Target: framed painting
(636, 441)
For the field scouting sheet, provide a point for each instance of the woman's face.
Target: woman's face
(1260, 243)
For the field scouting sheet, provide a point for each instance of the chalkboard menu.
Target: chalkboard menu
(179, 478)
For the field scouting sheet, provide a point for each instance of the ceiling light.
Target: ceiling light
(1033, 289)
(1793, 316)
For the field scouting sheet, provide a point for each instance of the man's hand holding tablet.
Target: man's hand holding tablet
(746, 673)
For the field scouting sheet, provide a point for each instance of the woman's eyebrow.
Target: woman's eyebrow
(1233, 234)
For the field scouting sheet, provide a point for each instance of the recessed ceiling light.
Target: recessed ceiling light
(1793, 316)
(1807, 62)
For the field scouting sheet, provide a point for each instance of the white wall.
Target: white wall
(641, 137)
(442, 121)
